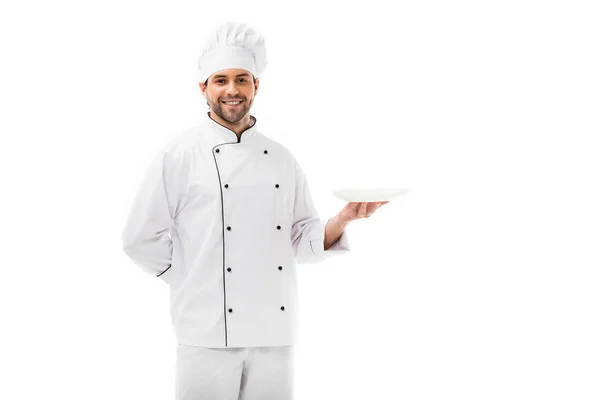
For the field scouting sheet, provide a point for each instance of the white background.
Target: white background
(481, 283)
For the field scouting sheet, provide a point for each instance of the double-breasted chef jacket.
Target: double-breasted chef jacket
(224, 222)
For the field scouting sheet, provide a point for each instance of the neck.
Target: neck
(237, 127)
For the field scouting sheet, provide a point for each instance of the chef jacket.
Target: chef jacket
(224, 222)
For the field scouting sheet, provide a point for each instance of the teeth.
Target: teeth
(231, 103)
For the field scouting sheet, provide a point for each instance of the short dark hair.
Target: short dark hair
(206, 81)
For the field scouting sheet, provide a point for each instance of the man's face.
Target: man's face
(230, 85)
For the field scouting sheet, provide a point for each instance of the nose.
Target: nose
(232, 89)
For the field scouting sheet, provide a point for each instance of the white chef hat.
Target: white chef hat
(233, 45)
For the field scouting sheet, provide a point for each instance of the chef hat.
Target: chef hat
(233, 45)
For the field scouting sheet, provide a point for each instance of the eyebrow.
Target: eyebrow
(225, 76)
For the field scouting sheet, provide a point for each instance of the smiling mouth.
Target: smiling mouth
(232, 103)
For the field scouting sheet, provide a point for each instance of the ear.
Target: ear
(202, 88)
(256, 86)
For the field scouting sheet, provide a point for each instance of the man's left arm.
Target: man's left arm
(309, 232)
(333, 231)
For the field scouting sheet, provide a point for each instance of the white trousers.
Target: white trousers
(244, 373)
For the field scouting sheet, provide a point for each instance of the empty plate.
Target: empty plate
(369, 195)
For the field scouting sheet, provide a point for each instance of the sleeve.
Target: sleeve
(146, 238)
(308, 231)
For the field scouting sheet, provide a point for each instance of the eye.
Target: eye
(220, 80)
(243, 80)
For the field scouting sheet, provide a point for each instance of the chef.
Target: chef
(223, 216)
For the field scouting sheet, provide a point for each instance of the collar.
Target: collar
(227, 135)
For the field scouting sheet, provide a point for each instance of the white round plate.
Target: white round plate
(369, 195)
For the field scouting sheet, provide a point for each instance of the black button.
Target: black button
(277, 185)
(226, 185)
(228, 228)
(266, 152)
(217, 150)
(280, 267)
(278, 227)
(230, 310)
(228, 269)
(282, 308)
